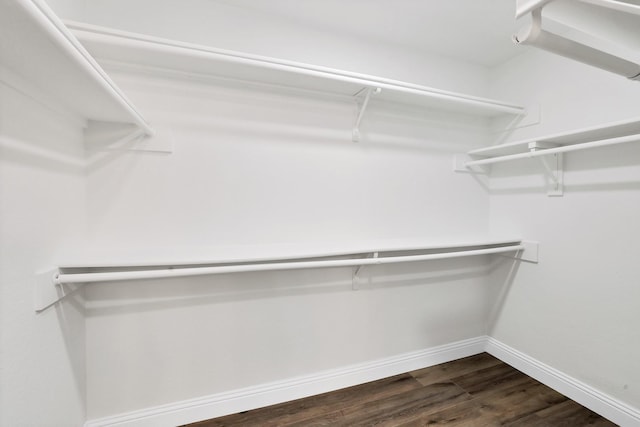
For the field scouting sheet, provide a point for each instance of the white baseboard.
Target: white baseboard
(610, 408)
(217, 405)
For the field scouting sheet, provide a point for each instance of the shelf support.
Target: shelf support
(114, 137)
(362, 101)
(355, 278)
(48, 292)
(460, 165)
(529, 252)
(551, 166)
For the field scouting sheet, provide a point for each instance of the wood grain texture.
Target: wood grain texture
(475, 391)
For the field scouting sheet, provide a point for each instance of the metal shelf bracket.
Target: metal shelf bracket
(459, 165)
(530, 252)
(48, 292)
(551, 166)
(362, 101)
(355, 279)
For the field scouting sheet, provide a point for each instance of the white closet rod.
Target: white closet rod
(69, 278)
(548, 151)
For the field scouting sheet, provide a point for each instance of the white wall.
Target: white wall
(255, 169)
(68, 9)
(251, 170)
(577, 310)
(42, 372)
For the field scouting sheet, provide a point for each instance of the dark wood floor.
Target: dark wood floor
(475, 391)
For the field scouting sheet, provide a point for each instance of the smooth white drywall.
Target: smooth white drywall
(577, 309)
(153, 343)
(255, 167)
(256, 30)
(42, 372)
(69, 9)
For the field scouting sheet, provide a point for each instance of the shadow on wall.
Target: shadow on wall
(103, 299)
(502, 274)
(70, 313)
(36, 156)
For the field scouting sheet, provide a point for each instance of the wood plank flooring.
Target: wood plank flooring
(476, 391)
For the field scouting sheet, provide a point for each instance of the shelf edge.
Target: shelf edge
(109, 36)
(487, 151)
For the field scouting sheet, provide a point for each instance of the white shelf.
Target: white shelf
(621, 6)
(124, 47)
(549, 150)
(525, 6)
(181, 257)
(51, 286)
(607, 131)
(36, 46)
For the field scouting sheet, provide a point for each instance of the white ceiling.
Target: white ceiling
(477, 31)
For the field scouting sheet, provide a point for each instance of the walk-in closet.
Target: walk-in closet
(209, 207)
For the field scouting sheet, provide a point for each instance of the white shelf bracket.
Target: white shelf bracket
(362, 101)
(104, 137)
(45, 292)
(551, 166)
(355, 278)
(48, 292)
(528, 254)
(460, 166)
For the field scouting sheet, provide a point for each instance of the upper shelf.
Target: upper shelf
(185, 256)
(109, 44)
(622, 6)
(525, 6)
(36, 46)
(581, 139)
(607, 131)
(599, 33)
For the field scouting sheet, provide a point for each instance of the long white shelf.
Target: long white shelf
(571, 140)
(36, 46)
(184, 257)
(525, 6)
(48, 290)
(621, 6)
(549, 149)
(130, 48)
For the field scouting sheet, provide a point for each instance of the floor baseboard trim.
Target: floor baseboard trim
(601, 403)
(221, 404)
(217, 405)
